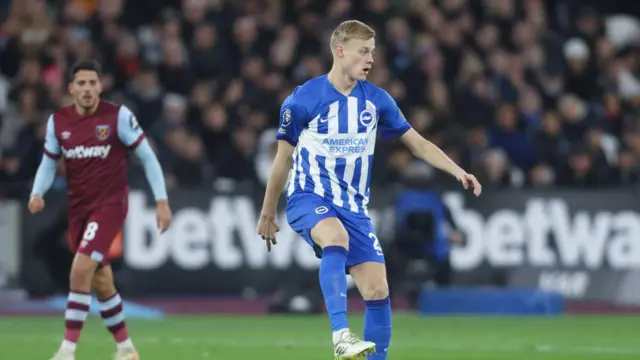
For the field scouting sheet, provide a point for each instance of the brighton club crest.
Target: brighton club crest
(102, 132)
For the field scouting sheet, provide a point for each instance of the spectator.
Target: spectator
(626, 172)
(507, 134)
(549, 142)
(498, 84)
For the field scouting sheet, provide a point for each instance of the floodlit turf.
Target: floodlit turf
(289, 338)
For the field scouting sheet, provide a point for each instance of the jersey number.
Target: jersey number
(89, 233)
(376, 243)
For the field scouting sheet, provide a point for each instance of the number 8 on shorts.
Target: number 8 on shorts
(89, 233)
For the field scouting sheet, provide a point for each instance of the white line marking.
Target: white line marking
(291, 343)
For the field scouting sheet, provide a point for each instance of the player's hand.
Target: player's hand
(267, 229)
(163, 216)
(36, 204)
(470, 181)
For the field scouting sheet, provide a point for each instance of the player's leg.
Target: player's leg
(112, 312)
(367, 267)
(332, 237)
(108, 222)
(371, 280)
(318, 223)
(79, 299)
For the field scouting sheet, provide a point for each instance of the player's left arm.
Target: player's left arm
(131, 135)
(393, 124)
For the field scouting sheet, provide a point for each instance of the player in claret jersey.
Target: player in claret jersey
(93, 138)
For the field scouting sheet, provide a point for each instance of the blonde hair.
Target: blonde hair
(351, 29)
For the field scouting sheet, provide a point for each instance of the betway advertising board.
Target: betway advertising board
(584, 244)
(212, 246)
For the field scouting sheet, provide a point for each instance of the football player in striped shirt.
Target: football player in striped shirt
(327, 136)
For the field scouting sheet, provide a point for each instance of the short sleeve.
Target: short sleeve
(129, 131)
(51, 144)
(293, 119)
(392, 122)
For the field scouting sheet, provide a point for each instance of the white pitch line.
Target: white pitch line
(293, 343)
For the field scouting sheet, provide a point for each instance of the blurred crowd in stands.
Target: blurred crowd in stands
(523, 93)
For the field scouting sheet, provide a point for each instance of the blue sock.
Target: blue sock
(333, 282)
(377, 326)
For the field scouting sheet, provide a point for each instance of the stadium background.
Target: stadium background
(539, 99)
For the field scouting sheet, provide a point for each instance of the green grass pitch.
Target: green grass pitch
(308, 337)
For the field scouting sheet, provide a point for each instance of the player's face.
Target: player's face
(358, 57)
(85, 88)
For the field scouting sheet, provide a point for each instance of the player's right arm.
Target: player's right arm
(293, 118)
(46, 172)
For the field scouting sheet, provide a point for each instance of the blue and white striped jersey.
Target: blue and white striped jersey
(335, 137)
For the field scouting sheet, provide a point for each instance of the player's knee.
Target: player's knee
(102, 286)
(376, 291)
(339, 238)
(80, 279)
(330, 232)
(82, 272)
